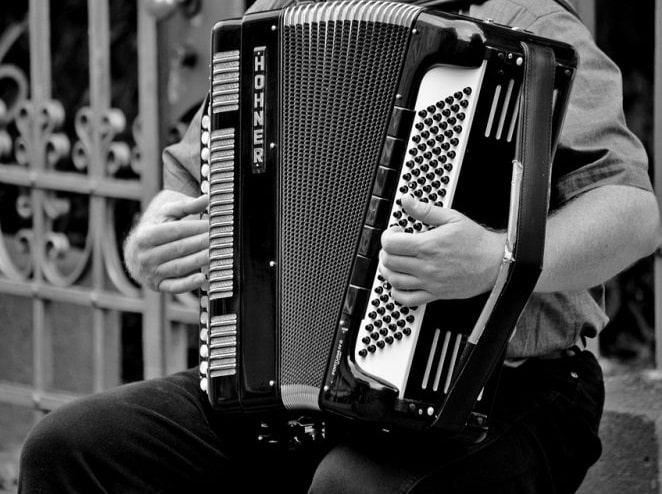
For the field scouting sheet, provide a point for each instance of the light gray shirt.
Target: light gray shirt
(596, 148)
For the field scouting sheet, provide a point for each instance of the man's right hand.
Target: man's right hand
(169, 247)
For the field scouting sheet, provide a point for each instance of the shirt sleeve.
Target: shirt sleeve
(181, 161)
(261, 5)
(596, 148)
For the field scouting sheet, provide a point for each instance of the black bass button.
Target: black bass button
(400, 123)
(363, 272)
(370, 242)
(378, 213)
(356, 301)
(393, 152)
(386, 181)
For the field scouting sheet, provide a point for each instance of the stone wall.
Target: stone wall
(630, 431)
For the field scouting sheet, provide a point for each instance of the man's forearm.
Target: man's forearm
(597, 235)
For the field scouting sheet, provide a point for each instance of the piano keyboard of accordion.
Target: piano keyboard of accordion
(321, 117)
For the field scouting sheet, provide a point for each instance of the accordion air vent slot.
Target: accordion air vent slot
(442, 359)
(433, 350)
(504, 111)
(451, 347)
(502, 119)
(453, 362)
(513, 121)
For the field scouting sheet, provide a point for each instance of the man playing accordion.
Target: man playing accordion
(162, 435)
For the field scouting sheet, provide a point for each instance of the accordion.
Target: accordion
(320, 116)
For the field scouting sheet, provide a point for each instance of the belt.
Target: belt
(556, 354)
(566, 353)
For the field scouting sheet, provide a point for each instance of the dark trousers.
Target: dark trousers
(161, 436)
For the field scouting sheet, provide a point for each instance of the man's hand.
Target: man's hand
(166, 250)
(457, 258)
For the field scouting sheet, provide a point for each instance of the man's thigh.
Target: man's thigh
(542, 440)
(159, 435)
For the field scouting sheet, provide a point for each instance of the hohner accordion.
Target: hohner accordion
(321, 116)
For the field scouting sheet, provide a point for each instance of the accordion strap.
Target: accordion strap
(524, 250)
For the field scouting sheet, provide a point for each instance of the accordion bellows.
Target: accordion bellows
(320, 117)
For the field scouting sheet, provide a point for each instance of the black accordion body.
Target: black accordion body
(320, 117)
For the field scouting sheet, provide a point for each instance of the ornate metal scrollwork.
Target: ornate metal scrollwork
(15, 248)
(116, 156)
(62, 261)
(34, 145)
(112, 258)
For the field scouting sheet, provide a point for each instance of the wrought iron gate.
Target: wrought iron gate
(73, 176)
(71, 181)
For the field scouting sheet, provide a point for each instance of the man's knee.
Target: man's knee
(53, 437)
(348, 469)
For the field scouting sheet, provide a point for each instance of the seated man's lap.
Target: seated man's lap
(161, 435)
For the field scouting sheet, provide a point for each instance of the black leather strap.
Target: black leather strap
(520, 272)
(535, 153)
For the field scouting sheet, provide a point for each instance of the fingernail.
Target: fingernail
(408, 201)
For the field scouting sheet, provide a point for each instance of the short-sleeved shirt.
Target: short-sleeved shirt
(595, 149)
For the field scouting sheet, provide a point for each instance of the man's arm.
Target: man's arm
(167, 248)
(598, 235)
(589, 240)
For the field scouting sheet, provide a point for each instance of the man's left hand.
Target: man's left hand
(456, 258)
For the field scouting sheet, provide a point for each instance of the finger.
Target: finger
(183, 266)
(163, 233)
(193, 281)
(178, 249)
(400, 263)
(401, 281)
(398, 243)
(184, 207)
(426, 212)
(411, 298)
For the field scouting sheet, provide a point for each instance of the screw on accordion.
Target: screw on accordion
(320, 117)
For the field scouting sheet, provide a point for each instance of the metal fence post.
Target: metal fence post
(152, 118)
(657, 156)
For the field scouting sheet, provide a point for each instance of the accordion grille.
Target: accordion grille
(339, 90)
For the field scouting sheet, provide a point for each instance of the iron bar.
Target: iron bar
(657, 163)
(73, 295)
(40, 89)
(26, 396)
(72, 182)
(154, 350)
(99, 46)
